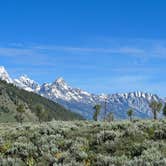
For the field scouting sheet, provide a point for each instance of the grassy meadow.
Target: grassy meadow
(83, 143)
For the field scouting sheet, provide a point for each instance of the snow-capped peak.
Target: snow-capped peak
(138, 94)
(4, 75)
(60, 80)
(29, 82)
(61, 83)
(82, 102)
(2, 69)
(26, 80)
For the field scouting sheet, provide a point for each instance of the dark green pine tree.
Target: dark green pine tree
(42, 114)
(130, 114)
(164, 110)
(97, 109)
(20, 111)
(156, 108)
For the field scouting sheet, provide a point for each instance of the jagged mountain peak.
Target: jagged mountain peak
(136, 94)
(82, 102)
(4, 75)
(26, 83)
(2, 68)
(61, 83)
(60, 80)
(25, 79)
(24, 76)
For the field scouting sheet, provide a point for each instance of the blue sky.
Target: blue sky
(103, 46)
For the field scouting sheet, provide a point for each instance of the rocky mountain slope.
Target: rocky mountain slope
(11, 97)
(82, 102)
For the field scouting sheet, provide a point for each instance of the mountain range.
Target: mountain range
(11, 97)
(82, 102)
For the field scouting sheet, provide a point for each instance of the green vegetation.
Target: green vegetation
(19, 105)
(110, 117)
(82, 143)
(41, 113)
(164, 110)
(97, 109)
(130, 114)
(20, 113)
(75, 143)
(156, 107)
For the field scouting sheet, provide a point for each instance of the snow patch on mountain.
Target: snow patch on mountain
(82, 102)
(4, 75)
(29, 83)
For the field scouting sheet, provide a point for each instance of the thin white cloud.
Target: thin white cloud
(6, 51)
(121, 50)
(141, 48)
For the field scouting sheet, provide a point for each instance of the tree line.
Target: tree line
(156, 108)
(40, 112)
